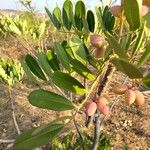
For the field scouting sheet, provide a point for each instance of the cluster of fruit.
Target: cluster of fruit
(131, 94)
(10, 71)
(117, 9)
(100, 104)
(99, 43)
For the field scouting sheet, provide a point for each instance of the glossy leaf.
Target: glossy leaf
(62, 55)
(52, 60)
(44, 63)
(91, 20)
(78, 49)
(57, 17)
(67, 14)
(115, 46)
(67, 82)
(37, 137)
(129, 69)
(132, 10)
(146, 80)
(139, 41)
(49, 100)
(145, 55)
(34, 67)
(79, 15)
(81, 69)
(28, 72)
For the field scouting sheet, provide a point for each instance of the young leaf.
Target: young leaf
(79, 15)
(67, 82)
(62, 55)
(81, 69)
(139, 41)
(52, 60)
(129, 69)
(115, 46)
(34, 67)
(49, 100)
(57, 17)
(44, 63)
(78, 49)
(91, 20)
(146, 80)
(132, 10)
(67, 14)
(145, 56)
(37, 137)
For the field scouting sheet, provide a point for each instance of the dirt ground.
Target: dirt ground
(130, 126)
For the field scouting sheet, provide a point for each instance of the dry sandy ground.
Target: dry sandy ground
(130, 126)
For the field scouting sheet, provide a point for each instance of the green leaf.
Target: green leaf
(139, 41)
(34, 67)
(115, 46)
(62, 55)
(37, 137)
(146, 80)
(57, 17)
(79, 15)
(78, 49)
(145, 56)
(67, 82)
(49, 100)
(91, 20)
(129, 69)
(81, 69)
(132, 10)
(52, 60)
(28, 72)
(44, 63)
(67, 14)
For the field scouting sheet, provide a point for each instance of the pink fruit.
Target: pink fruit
(102, 100)
(97, 40)
(116, 10)
(91, 108)
(145, 10)
(139, 98)
(105, 110)
(130, 96)
(120, 89)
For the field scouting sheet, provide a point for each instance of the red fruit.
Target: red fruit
(91, 108)
(145, 10)
(130, 96)
(120, 89)
(116, 10)
(139, 98)
(97, 40)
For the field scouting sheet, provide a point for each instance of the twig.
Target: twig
(104, 81)
(13, 113)
(6, 141)
(80, 135)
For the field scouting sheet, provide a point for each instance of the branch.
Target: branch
(104, 81)
(6, 141)
(13, 113)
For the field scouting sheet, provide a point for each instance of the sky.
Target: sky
(14, 4)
